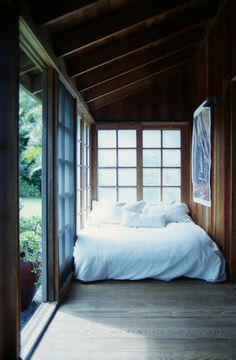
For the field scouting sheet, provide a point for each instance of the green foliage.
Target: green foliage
(27, 189)
(31, 242)
(30, 144)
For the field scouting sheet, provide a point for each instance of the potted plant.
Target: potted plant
(30, 258)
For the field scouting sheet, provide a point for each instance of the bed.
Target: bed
(116, 251)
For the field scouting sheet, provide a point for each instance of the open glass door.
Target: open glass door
(30, 187)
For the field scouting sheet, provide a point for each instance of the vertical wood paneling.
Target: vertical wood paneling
(9, 204)
(171, 99)
(213, 76)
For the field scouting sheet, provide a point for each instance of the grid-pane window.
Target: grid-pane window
(66, 181)
(141, 163)
(117, 164)
(83, 173)
(161, 165)
(79, 144)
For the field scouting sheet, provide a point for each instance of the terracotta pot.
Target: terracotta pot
(28, 279)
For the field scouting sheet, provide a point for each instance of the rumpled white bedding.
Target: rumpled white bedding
(119, 252)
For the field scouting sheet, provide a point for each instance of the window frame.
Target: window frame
(139, 127)
(117, 166)
(83, 177)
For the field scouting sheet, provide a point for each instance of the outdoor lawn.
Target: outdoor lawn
(32, 207)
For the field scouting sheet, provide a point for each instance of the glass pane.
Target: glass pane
(88, 176)
(171, 158)
(107, 138)
(78, 201)
(151, 194)
(151, 138)
(151, 177)
(88, 136)
(127, 177)
(88, 156)
(171, 177)
(78, 153)
(127, 158)
(127, 194)
(107, 177)
(89, 198)
(171, 194)
(151, 158)
(107, 193)
(85, 134)
(171, 138)
(127, 138)
(107, 158)
(79, 129)
(85, 155)
(84, 177)
(78, 177)
(85, 199)
(78, 223)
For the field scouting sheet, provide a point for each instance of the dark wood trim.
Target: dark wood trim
(49, 214)
(138, 58)
(185, 129)
(33, 41)
(55, 185)
(105, 27)
(139, 162)
(54, 13)
(137, 74)
(232, 183)
(94, 163)
(137, 86)
(9, 199)
(165, 30)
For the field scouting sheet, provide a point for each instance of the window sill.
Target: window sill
(32, 332)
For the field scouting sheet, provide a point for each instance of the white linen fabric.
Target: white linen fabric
(106, 212)
(142, 220)
(119, 252)
(177, 212)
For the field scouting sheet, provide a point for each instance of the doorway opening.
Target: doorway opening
(30, 187)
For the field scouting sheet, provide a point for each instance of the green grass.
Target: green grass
(32, 207)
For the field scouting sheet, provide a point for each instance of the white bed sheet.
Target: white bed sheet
(119, 252)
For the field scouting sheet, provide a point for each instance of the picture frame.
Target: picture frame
(201, 155)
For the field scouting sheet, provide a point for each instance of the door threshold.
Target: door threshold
(34, 329)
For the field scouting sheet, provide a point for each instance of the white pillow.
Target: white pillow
(141, 220)
(156, 206)
(135, 207)
(177, 212)
(106, 212)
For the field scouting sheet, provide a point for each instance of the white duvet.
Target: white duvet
(120, 252)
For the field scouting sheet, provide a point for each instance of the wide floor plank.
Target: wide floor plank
(140, 320)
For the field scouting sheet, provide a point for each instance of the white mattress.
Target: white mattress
(119, 252)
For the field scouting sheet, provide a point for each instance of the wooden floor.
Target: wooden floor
(181, 319)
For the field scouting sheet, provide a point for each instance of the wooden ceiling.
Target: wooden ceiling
(114, 48)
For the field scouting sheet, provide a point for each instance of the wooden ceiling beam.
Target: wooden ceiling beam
(167, 29)
(49, 12)
(137, 86)
(139, 58)
(132, 76)
(110, 24)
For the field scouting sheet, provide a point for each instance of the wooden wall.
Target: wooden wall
(213, 76)
(168, 100)
(9, 204)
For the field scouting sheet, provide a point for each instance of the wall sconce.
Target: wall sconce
(210, 101)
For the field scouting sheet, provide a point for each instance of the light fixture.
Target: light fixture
(210, 101)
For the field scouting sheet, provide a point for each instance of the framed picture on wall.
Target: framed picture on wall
(201, 155)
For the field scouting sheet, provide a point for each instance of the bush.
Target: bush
(28, 190)
(31, 242)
